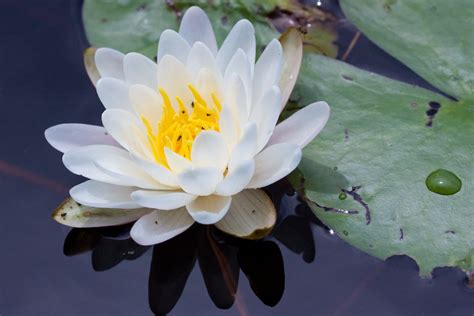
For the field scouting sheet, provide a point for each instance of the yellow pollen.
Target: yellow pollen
(177, 129)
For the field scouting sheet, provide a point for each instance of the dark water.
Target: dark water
(43, 83)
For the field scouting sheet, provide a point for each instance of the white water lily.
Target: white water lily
(185, 136)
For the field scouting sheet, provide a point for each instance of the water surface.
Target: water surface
(43, 83)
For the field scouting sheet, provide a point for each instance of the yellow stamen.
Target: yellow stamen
(216, 101)
(177, 130)
(196, 94)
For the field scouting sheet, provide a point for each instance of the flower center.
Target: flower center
(178, 129)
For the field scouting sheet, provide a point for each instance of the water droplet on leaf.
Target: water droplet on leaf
(443, 182)
(342, 196)
(345, 233)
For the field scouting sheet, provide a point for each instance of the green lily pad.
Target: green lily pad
(385, 137)
(127, 25)
(136, 25)
(435, 38)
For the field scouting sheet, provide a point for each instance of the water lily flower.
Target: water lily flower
(189, 138)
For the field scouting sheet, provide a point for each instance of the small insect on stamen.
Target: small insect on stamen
(180, 125)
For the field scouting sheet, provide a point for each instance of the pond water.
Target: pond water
(301, 267)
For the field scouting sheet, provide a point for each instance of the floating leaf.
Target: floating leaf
(127, 25)
(378, 150)
(136, 25)
(72, 214)
(432, 37)
(366, 175)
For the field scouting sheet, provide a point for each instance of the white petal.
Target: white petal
(241, 36)
(71, 214)
(80, 161)
(110, 165)
(171, 43)
(127, 131)
(160, 226)
(200, 56)
(65, 137)
(158, 172)
(90, 66)
(210, 150)
(113, 94)
(209, 209)
(162, 200)
(246, 148)
(265, 114)
(146, 102)
(229, 126)
(140, 69)
(174, 78)
(176, 162)
(301, 127)
(252, 215)
(267, 70)
(109, 62)
(274, 163)
(209, 82)
(99, 194)
(196, 27)
(236, 98)
(200, 181)
(127, 172)
(292, 42)
(236, 179)
(239, 65)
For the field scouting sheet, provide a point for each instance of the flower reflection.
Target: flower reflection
(221, 257)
